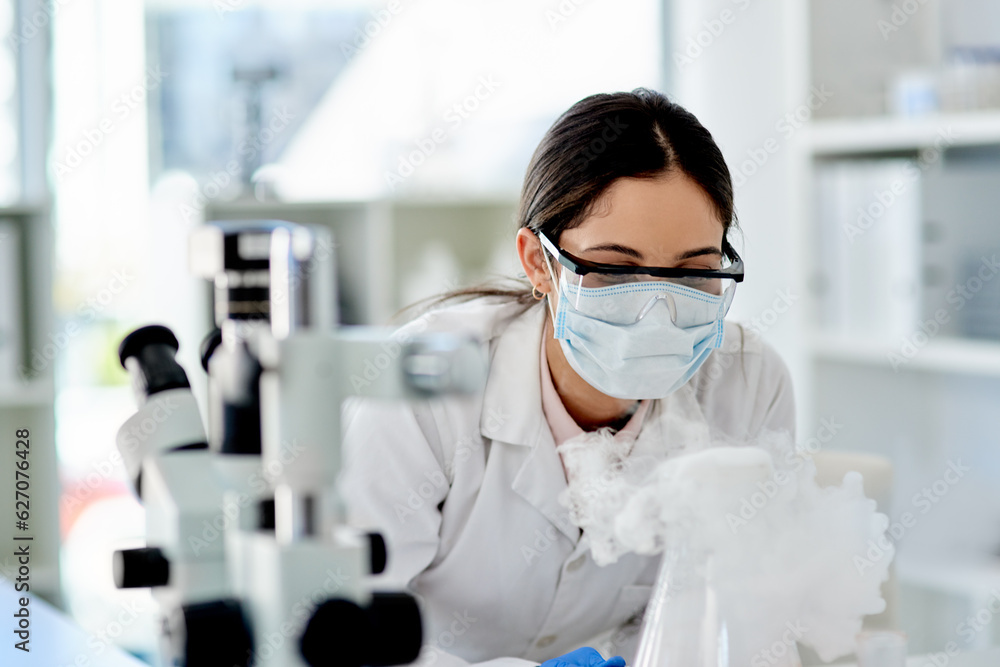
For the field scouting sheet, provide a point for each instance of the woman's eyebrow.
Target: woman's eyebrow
(632, 252)
(615, 247)
(708, 250)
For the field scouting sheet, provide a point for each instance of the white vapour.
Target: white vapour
(786, 552)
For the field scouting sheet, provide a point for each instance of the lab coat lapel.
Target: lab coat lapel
(540, 481)
(512, 414)
(512, 399)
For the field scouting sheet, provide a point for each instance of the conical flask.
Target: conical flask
(684, 625)
(692, 620)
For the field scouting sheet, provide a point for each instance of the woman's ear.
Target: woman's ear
(529, 251)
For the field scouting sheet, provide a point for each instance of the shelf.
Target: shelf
(945, 355)
(251, 205)
(254, 206)
(881, 134)
(23, 210)
(969, 577)
(31, 394)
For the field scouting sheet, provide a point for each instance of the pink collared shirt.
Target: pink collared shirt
(562, 425)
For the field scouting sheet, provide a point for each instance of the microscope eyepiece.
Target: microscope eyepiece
(153, 334)
(148, 355)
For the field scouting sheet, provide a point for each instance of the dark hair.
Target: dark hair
(601, 138)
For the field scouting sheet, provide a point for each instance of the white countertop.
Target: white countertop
(56, 641)
(987, 658)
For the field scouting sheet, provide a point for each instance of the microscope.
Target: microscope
(248, 553)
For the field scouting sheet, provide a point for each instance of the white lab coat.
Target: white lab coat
(465, 490)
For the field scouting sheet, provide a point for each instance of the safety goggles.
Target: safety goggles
(596, 275)
(625, 294)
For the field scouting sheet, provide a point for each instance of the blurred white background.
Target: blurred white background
(863, 136)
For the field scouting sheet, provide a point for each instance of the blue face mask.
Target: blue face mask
(638, 340)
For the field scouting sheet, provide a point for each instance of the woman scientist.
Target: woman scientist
(624, 217)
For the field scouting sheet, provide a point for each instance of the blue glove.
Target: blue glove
(584, 657)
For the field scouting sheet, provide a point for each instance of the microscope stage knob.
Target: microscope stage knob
(388, 632)
(210, 634)
(378, 552)
(398, 630)
(139, 568)
(339, 633)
